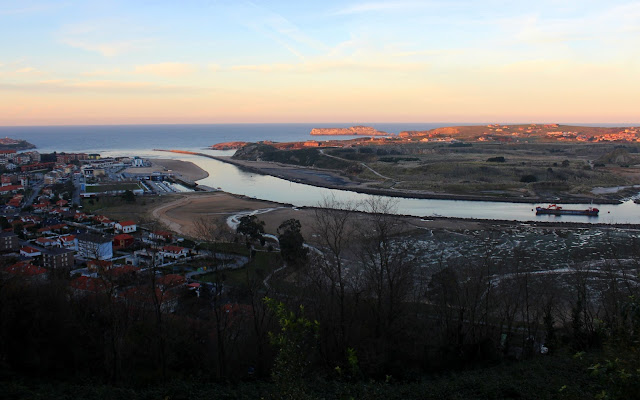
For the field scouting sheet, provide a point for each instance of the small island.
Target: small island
(354, 130)
(14, 144)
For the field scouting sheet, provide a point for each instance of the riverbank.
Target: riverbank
(184, 212)
(332, 180)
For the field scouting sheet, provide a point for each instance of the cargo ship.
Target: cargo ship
(557, 210)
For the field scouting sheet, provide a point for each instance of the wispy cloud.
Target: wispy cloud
(101, 86)
(382, 6)
(108, 37)
(108, 49)
(597, 26)
(276, 27)
(331, 66)
(27, 70)
(167, 69)
(26, 8)
(102, 72)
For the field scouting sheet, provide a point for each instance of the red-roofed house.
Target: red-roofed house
(68, 241)
(103, 220)
(174, 252)
(126, 226)
(43, 241)
(99, 265)
(40, 207)
(29, 251)
(10, 188)
(25, 268)
(15, 202)
(170, 281)
(8, 179)
(87, 285)
(80, 216)
(122, 241)
(121, 270)
(161, 235)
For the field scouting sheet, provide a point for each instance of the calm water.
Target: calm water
(232, 179)
(141, 139)
(127, 138)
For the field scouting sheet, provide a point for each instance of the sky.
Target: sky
(207, 61)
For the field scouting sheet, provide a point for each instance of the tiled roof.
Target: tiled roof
(173, 249)
(88, 284)
(29, 249)
(127, 223)
(23, 268)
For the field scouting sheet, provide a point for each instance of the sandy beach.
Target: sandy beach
(183, 214)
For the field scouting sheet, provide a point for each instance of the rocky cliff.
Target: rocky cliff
(15, 144)
(354, 130)
(228, 145)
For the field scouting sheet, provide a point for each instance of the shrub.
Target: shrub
(496, 159)
(528, 178)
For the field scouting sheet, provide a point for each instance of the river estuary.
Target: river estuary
(234, 180)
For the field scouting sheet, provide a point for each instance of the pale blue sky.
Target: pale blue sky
(258, 61)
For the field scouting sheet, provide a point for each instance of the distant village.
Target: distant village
(45, 234)
(488, 133)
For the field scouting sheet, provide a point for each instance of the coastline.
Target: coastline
(182, 215)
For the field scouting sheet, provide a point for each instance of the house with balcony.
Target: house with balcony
(95, 246)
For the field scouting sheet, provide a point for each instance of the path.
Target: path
(363, 164)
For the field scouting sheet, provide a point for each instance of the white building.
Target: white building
(125, 226)
(94, 246)
(137, 162)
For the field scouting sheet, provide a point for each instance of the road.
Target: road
(35, 191)
(363, 164)
(77, 180)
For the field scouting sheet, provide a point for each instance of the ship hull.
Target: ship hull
(546, 211)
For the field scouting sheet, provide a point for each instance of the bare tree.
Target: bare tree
(388, 268)
(334, 231)
(213, 233)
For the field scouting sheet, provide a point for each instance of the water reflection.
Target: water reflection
(233, 180)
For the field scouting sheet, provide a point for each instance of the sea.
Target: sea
(141, 140)
(132, 138)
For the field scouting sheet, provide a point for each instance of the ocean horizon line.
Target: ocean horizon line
(446, 123)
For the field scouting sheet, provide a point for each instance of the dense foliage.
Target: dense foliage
(357, 318)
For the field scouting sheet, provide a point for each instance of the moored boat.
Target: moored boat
(557, 210)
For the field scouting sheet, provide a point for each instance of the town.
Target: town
(47, 235)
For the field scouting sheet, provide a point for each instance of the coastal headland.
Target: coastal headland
(509, 163)
(15, 144)
(354, 130)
